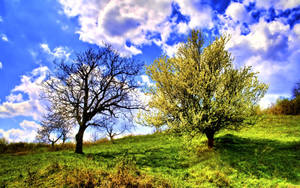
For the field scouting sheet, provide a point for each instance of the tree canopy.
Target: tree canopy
(199, 90)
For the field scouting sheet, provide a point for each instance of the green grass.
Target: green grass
(265, 155)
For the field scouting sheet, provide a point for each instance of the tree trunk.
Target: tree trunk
(210, 139)
(52, 144)
(64, 139)
(112, 139)
(79, 140)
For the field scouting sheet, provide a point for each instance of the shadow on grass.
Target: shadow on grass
(261, 158)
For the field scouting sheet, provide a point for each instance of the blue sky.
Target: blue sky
(265, 34)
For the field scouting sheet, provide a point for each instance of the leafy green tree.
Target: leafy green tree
(199, 90)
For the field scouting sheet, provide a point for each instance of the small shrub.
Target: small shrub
(32, 177)
(54, 167)
(3, 145)
(101, 140)
(125, 174)
(65, 146)
(213, 178)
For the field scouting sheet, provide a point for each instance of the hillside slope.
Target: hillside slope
(265, 155)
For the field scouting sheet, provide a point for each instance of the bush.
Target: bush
(62, 146)
(285, 107)
(3, 145)
(20, 147)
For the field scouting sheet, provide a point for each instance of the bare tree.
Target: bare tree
(53, 128)
(96, 84)
(95, 136)
(113, 128)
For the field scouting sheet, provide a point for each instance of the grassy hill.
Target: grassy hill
(265, 155)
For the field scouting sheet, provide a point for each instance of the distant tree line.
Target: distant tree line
(287, 106)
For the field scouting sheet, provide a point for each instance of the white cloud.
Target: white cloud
(15, 97)
(297, 29)
(1, 66)
(182, 27)
(1, 19)
(29, 125)
(288, 4)
(58, 52)
(271, 48)
(45, 48)
(31, 87)
(277, 4)
(170, 50)
(27, 132)
(117, 22)
(4, 37)
(200, 15)
(146, 80)
(237, 12)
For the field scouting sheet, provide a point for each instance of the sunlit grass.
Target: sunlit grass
(265, 155)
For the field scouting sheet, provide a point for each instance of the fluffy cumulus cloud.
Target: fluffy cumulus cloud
(128, 25)
(26, 132)
(199, 12)
(124, 24)
(271, 45)
(57, 53)
(24, 99)
(237, 12)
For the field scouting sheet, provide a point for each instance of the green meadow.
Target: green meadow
(264, 155)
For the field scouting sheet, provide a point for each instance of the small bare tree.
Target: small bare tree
(95, 136)
(113, 128)
(96, 84)
(53, 128)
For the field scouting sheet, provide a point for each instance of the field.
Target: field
(265, 155)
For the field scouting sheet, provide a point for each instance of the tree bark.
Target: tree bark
(210, 139)
(79, 140)
(112, 139)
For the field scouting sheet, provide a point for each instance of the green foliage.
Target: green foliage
(199, 90)
(264, 155)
